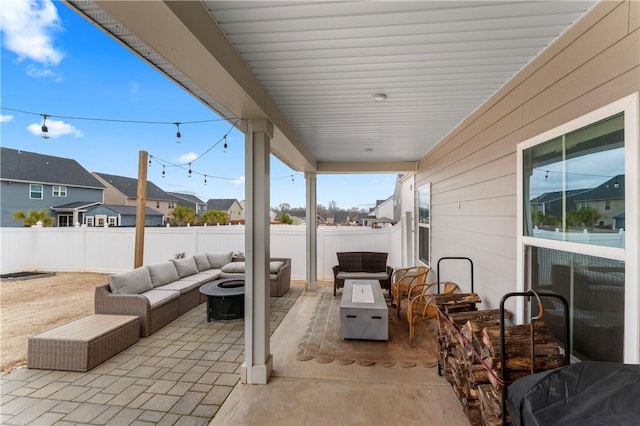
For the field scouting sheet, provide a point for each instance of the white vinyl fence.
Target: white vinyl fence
(111, 250)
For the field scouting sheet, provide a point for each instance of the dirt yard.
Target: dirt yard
(29, 307)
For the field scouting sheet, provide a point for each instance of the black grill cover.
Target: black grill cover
(586, 393)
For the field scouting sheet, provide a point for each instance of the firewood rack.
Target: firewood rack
(531, 296)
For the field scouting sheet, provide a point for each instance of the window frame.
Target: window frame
(423, 225)
(32, 191)
(61, 191)
(629, 106)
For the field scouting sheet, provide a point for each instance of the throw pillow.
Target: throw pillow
(163, 273)
(185, 267)
(234, 268)
(219, 259)
(131, 282)
(274, 267)
(202, 263)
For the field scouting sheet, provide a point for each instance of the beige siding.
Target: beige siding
(473, 170)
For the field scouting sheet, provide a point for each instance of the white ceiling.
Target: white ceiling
(313, 67)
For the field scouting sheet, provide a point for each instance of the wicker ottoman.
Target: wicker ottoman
(84, 343)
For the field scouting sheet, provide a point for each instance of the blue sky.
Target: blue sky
(55, 62)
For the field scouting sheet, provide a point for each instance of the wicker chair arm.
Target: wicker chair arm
(419, 289)
(107, 302)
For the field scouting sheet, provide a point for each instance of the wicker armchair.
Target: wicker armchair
(421, 304)
(403, 279)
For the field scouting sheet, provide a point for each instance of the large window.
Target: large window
(424, 224)
(574, 185)
(35, 191)
(578, 218)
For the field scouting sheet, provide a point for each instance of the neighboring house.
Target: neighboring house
(229, 205)
(112, 215)
(608, 199)
(190, 200)
(123, 191)
(32, 181)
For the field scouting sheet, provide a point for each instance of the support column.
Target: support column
(141, 207)
(258, 362)
(312, 229)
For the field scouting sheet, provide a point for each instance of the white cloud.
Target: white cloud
(28, 28)
(239, 181)
(6, 118)
(187, 158)
(56, 129)
(37, 72)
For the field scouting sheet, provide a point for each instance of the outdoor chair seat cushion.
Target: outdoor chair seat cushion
(362, 276)
(158, 297)
(183, 286)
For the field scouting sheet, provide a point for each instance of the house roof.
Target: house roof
(548, 197)
(187, 197)
(131, 210)
(220, 203)
(609, 190)
(18, 165)
(76, 206)
(129, 187)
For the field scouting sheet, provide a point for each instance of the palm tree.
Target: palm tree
(214, 217)
(33, 217)
(183, 215)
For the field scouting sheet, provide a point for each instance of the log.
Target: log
(541, 363)
(519, 340)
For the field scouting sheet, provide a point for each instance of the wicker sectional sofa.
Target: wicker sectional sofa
(160, 293)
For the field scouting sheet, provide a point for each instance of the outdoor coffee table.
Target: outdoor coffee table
(225, 298)
(363, 311)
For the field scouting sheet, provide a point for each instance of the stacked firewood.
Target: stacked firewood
(470, 355)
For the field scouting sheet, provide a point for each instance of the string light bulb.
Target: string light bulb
(292, 181)
(546, 176)
(224, 147)
(178, 135)
(150, 161)
(163, 171)
(205, 179)
(189, 169)
(45, 129)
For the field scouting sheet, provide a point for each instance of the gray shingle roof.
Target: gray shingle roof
(220, 203)
(609, 190)
(26, 166)
(129, 187)
(131, 210)
(188, 197)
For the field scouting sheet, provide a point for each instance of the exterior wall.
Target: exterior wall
(235, 211)
(15, 196)
(473, 169)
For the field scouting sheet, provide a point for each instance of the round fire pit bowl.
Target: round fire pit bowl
(225, 298)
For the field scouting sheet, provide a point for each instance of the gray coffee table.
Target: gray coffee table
(225, 298)
(363, 311)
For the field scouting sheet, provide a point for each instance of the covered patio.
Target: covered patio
(188, 374)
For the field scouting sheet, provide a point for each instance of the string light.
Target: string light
(163, 173)
(178, 135)
(150, 157)
(224, 147)
(292, 181)
(189, 169)
(45, 129)
(205, 179)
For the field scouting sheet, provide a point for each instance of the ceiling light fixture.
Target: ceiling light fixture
(379, 97)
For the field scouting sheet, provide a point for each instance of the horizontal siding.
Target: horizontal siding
(473, 170)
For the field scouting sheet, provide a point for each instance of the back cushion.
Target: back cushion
(163, 273)
(186, 266)
(219, 259)
(202, 263)
(131, 282)
(275, 266)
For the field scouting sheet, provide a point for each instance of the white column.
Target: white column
(312, 242)
(258, 362)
